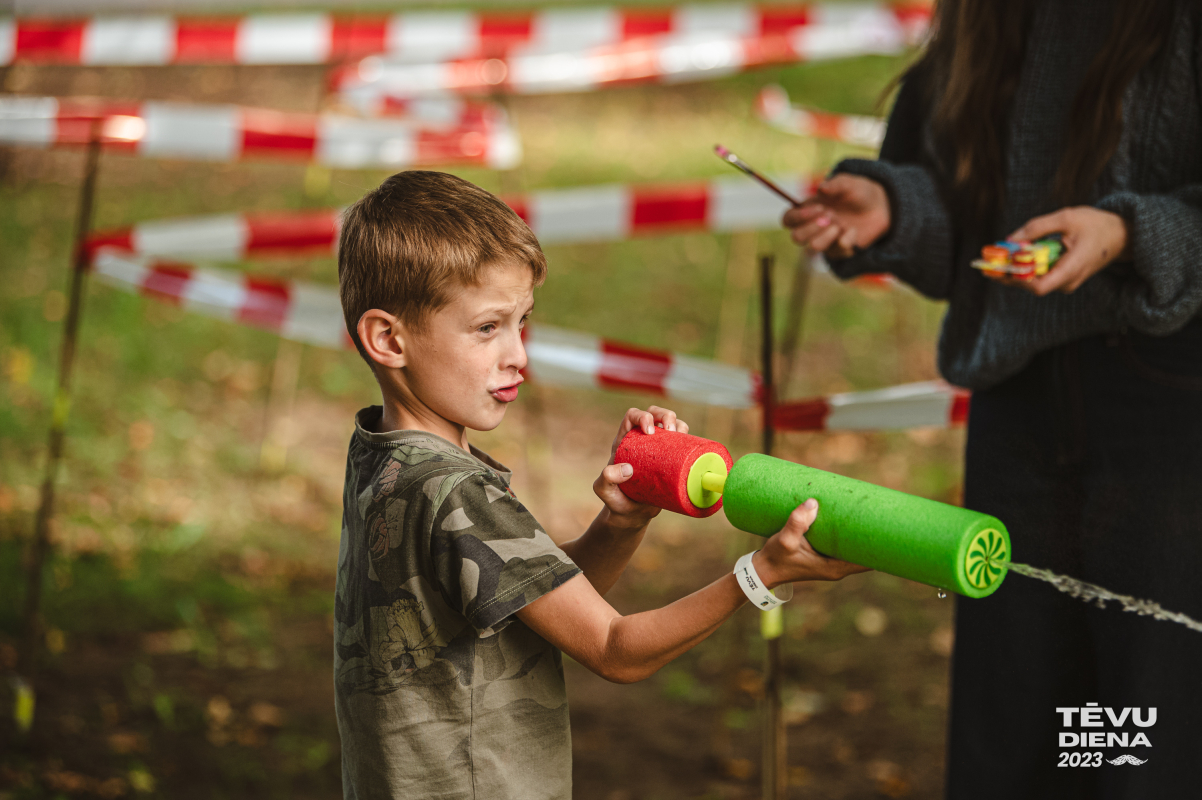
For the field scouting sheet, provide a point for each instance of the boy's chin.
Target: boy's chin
(487, 422)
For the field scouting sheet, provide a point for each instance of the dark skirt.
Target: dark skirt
(1092, 456)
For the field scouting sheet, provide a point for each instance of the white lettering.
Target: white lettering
(1118, 723)
(1097, 739)
(1091, 717)
(1151, 718)
(1140, 739)
(1067, 713)
(1116, 739)
(1068, 739)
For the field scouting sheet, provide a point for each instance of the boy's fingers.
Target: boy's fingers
(843, 568)
(682, 426)
(638, 418)
(800, 521)
(666, 418)
(607, 487)
(647, 421)
(617, 473)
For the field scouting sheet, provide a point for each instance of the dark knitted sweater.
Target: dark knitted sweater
(1154, 182)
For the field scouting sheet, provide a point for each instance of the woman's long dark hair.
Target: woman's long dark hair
(973, 61)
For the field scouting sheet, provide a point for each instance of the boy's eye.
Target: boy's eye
(489, 328)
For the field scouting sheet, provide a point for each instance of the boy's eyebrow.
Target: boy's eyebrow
(506, 309)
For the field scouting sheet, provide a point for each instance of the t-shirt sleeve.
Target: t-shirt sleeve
(489, 554)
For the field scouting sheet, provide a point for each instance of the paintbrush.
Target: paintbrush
(740, 164)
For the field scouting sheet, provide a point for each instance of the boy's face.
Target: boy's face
(463, 366)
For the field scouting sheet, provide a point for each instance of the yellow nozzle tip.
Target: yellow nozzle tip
(707, 477)
(714, 482)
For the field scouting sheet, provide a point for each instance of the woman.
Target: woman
(1081, 117)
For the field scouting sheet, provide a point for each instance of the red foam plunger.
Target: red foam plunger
(661, 462)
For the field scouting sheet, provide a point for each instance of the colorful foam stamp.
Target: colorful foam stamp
(1020, 259)
(944, 546)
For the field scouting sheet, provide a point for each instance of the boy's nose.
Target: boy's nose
(516, 355)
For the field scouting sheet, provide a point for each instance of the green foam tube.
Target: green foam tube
(951, 548)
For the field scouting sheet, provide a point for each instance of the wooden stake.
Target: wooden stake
(771, 622)
(794, 320)
(766, 352)
(40, 545)
(277, 422)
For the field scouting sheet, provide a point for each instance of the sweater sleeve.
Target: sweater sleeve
(1165, 234)
(918, 247)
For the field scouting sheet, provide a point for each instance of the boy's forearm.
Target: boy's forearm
(603, 551)
(577, 620)
(640, 644)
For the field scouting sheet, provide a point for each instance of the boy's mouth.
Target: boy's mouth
(507, 394)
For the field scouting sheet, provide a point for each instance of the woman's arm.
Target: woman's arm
(1164, 245)
(915, 243)
(1158, 235)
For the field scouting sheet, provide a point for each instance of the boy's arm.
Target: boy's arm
(603, 551)
(576, 619)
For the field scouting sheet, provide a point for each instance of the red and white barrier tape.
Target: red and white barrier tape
(911, 405)
(317, 38)
(772, 105)
(446, 111)
(313, 314)
(557, 216)
(229, 133)
(672, 58)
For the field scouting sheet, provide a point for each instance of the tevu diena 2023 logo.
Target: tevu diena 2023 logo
(1094, 726)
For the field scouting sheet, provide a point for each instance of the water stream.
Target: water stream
(1090, 593)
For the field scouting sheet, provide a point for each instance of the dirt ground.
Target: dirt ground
(124, 716)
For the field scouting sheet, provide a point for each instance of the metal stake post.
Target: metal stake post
(40, 546)
(774, 758)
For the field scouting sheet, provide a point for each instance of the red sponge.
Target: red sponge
(661, 464)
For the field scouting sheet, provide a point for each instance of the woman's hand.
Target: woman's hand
(846, 212)
(1092, 239)
(628, 513)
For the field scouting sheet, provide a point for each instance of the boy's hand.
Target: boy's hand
(788, 556)
(628, 513)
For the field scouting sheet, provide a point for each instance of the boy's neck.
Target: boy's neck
(398, 417)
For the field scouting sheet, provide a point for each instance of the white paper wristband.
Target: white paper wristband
(759, 594)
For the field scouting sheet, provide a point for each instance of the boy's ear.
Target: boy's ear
(382, 336)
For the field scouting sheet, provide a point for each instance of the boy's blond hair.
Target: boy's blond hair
(406, 245)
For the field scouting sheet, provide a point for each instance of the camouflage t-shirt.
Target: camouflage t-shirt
(440, 691)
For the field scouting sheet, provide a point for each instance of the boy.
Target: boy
(453, 604)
